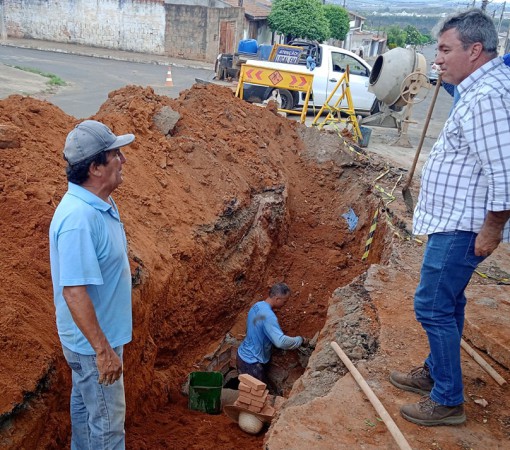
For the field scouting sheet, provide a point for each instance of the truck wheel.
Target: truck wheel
(219, 70)
(287, 99)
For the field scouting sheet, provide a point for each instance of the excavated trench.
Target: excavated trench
(220, 200)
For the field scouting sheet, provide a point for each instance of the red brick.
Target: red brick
(244, 387)
(256, 409)
(259, 396)
(252, 382)
(257, 403)
(267, 410)
(244, 399)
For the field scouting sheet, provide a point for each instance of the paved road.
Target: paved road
(383, 140)
(91, 79)
(92, 73)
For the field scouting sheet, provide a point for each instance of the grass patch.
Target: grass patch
(54, 80)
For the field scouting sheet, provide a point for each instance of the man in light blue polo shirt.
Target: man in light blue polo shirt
(92, 285)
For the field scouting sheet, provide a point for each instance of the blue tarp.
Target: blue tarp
(351, 218)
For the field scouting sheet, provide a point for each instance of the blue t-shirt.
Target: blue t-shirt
(262, 332)
(88, 247)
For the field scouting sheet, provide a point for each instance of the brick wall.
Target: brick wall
(135, 25)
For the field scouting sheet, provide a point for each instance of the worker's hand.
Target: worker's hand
(487, 241)
(305, 343)
(109, 366)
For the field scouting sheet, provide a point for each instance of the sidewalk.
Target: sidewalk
(97, 52)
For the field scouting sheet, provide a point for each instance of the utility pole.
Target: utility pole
(3, 28)
(506, 48)
(501, 17)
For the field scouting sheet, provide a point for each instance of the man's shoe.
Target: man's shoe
(428, 413)
(417, 380)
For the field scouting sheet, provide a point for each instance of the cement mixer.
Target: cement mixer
(399, 80)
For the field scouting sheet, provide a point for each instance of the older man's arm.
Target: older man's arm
(109, 364)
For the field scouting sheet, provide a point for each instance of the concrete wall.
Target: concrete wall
(264, 34)
(188, 30)
(118, 24)
(193, 32)
(208, 3)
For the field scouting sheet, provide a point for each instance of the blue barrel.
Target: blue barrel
(265, 51)
(248, 46)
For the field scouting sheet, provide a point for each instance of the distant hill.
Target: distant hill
(394, 4)
(421, 6)
(424, 15)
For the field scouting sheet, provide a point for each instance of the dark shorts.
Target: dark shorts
(257, 370)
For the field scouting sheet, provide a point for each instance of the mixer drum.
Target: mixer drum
(390, 70)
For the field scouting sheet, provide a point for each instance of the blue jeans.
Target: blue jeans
(439, 304)
(97, 411)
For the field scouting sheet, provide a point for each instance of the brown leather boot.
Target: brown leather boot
(417, 380)
(428, 413)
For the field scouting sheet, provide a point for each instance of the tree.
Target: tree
(299, 19)
(413, 36)
(338, 19)
(396, 37)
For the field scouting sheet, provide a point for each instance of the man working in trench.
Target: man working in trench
(262, 332)
(463, 207)
(92, 285)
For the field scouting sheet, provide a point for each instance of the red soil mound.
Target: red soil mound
(206, 207)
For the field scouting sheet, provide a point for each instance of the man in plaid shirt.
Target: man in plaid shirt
(463, 208)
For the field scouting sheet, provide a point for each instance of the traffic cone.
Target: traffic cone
(169, 81)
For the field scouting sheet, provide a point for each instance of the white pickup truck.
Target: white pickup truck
(330, 66)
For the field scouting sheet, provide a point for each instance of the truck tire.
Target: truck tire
(287, 99)
(219, 71)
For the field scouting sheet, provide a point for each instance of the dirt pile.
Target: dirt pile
(211, 207)
(220, 199)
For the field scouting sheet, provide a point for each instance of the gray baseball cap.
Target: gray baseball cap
(90, 138)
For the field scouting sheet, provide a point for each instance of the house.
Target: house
(189, 29)
(363, 42)
(255, 24)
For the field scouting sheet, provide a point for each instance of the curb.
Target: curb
(125, 57)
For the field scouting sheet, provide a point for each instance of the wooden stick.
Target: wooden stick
(388, 421)
(485, 365)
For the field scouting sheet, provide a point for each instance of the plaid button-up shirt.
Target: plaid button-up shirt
(468, 170)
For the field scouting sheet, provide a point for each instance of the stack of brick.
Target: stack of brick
(253, 396)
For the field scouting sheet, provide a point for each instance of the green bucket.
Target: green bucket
(205, 392)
